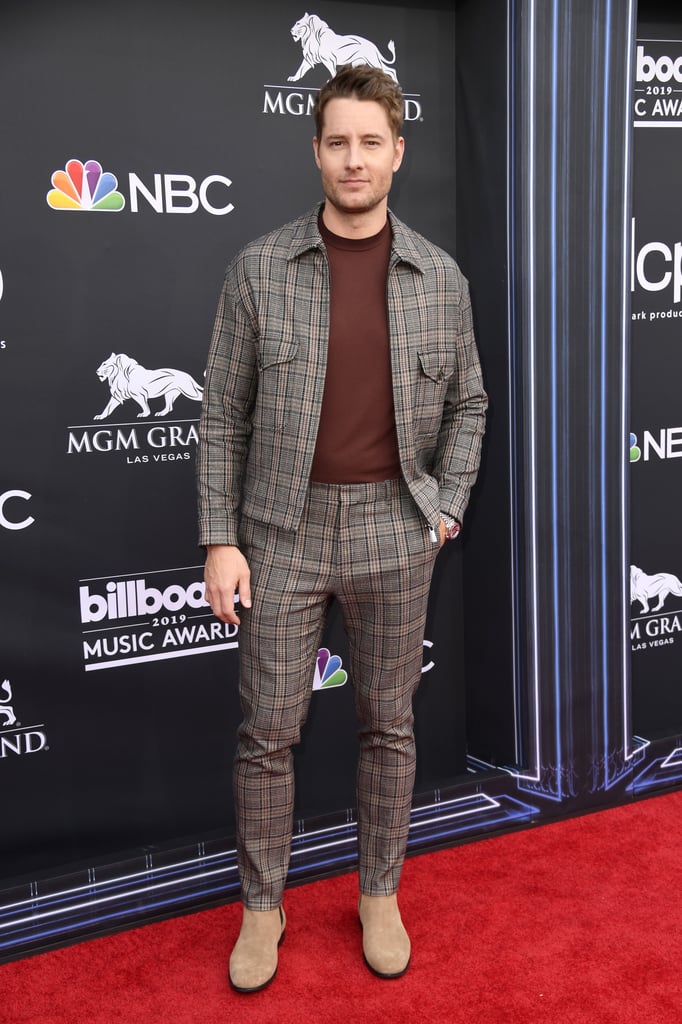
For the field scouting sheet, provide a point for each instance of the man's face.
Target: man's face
(357, 155)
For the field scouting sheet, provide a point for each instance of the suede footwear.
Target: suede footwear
(253, 963)
(385, 943)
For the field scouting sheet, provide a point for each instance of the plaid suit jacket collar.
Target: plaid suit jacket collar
(307, 236)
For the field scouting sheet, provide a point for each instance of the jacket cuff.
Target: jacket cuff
(210, 533)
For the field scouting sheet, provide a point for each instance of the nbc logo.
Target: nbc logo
(328, 671)
(7, 515)
(666, 443)
(635, 450)
(84, 187)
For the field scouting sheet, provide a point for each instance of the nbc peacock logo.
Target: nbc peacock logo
(328, 671)
(85, 186)
(635, 450)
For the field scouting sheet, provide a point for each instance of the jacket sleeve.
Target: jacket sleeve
(225, 426)
(458, 451)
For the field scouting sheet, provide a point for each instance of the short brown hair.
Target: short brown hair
(362, 83)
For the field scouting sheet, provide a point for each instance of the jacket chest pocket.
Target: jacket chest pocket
(276, 382)
(274, 351)
(433, 378)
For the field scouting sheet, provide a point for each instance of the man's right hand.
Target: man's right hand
(226, 573)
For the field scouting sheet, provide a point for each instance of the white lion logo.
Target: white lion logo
(645, 588)
(127, 379)
(8, 712)
(321, 45)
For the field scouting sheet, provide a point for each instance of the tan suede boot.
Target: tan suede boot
(253, 963)
(385, 943)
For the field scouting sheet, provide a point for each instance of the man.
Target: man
(340, 437)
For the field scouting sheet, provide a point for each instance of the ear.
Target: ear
(316, 151)
(399, 153)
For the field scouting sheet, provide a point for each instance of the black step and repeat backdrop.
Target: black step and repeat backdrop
(655, 418)
(142, 146)
(140, 151)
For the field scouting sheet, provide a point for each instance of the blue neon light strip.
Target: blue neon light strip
(603, 539)
(558, 604)
(630, 747)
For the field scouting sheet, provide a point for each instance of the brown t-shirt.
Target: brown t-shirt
(356, 440)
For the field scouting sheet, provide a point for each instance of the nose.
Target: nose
(354, 155)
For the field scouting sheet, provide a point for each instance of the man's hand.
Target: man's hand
(441, 532)
(226, 573)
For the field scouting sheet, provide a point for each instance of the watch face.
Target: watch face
(452, 531)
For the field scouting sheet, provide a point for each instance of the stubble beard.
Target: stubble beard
(358, 205)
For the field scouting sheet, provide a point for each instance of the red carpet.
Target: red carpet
(579, 921)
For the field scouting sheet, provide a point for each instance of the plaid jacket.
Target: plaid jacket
(266, 371)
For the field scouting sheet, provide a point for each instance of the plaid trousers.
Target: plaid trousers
(369, 546)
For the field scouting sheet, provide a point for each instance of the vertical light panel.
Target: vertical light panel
(569, 198)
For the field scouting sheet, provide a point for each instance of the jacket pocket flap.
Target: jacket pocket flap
(434, 366)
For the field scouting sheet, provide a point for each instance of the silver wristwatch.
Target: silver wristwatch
(452, 527)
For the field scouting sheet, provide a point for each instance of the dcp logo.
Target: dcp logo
(656, 266)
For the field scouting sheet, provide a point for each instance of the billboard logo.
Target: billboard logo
(658, 99)
(132, 598)
(150, 617)
(661, 68)
(85, 187)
